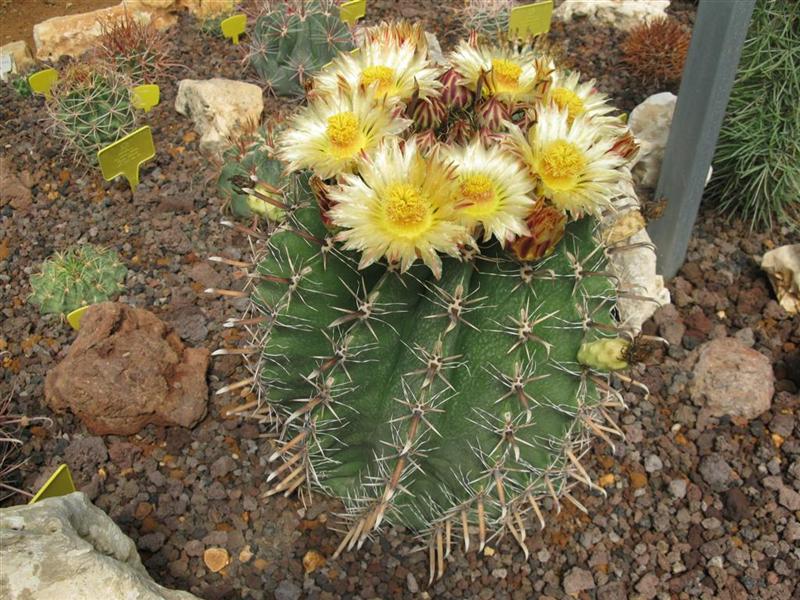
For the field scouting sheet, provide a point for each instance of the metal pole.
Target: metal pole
(717, 40)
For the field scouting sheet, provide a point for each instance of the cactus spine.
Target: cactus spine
(292, 40)
(80, 276)
(452, 397)
(91, 108)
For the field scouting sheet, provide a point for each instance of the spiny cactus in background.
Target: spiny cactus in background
(249, 159)
(21, 86)
(80, 276)
(655, 51)
(757, 160)
(486, 18)
(91, 108)
(417, 359)
(134, 47)
(10, 426)
(293, 39)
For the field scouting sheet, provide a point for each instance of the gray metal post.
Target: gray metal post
(717, 40)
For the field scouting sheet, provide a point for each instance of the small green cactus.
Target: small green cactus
(133, 46)
(250, 163)
(292, 40)
(80, 276)
(487, 18)
(21, 86)
(91, 108)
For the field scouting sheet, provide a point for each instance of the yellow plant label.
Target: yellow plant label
(125, 156)
(233, 27)
(531, 19)
(76, 316)
(59, 484)
(146, 97)
(42, 82)
(352, 11)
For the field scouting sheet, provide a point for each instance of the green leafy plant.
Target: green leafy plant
(757, 161)
(249, 163)
(91, 108)
(655, 51)
(133, 46)
(293, 39)
(80, 276)
(434, 324)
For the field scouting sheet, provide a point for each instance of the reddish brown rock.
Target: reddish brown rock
(732, 379)
(127, 369)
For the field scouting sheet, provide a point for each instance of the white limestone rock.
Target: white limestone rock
(218, 108)
(622, 14)
(650, 122)
(67, 548)
(16, 56)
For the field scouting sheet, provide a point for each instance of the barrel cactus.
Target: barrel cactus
(434, 330)
(81, 276)
(91, 108)
(293, 39)
(251, 174)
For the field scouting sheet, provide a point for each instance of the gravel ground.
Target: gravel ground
(697, 506)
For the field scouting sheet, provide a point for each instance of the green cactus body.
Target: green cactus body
(292, 41)
(249, 159)
(91, 109)
(432, 403)
(79, 277)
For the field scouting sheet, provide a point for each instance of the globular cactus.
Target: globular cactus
(419, 361)
(293, 39)
(486, 18)
(133, 46)
(91, 108)
(655, 51)
(249, 163)
(80, 276)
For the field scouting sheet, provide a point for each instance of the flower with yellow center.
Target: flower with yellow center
(578, 99)
(333, 132)
(394, 70)
(572, 161)
(494, 190)
(510, 75)
(400, 206)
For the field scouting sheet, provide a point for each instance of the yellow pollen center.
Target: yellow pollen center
(383, 75)
(560, 164)
(343, 129)
(506, 73)
(568, 100)
(406, 210)
(477, 194)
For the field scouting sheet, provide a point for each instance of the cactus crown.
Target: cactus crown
(416, 363)
(249, 163)
(80, 276)
(292, 40)
(655, 51)
(134, 47)
(91, 108)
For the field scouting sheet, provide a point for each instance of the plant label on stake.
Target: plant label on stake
(352, 11)
(59, 484)
(76, 316)
(233, 27)
(42, 82)
(125, 156)
(531, 19)
(146, 96)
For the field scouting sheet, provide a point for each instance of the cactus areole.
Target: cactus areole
(415, 365)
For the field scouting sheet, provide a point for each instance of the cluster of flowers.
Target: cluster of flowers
(418, 159)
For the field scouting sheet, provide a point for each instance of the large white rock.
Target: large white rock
(650, 122)
(218, 108)
(635, 268)
(65, 548)
(622, 14)
(18, 55)
(73, 35)
(782, 265)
